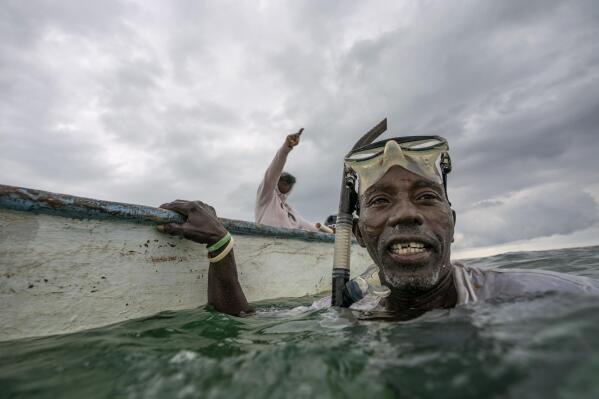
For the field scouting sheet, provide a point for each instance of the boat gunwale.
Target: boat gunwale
(74, 207)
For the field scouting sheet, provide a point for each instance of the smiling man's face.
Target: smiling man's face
(407, 226)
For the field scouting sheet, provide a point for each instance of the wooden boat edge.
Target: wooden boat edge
(70, 206)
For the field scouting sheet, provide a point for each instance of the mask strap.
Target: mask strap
(445, 169)
(445, 187)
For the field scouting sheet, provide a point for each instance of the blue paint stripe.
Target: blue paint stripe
(43, 202)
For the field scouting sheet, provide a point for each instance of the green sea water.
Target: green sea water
(538, 346)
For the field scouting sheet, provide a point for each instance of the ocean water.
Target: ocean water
(538, 346)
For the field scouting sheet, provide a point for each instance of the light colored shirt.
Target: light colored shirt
(474, 284)
(271, 205)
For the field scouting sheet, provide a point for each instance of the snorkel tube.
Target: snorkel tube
(348, 201)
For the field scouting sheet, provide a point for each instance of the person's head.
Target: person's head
(331, 221)
(407, 226)
(286, 182)
(406, 221)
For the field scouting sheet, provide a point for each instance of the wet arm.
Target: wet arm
(203, 226)
(224, 290)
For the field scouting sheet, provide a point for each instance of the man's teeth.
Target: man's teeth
(407, 248)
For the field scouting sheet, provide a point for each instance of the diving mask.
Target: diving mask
(426, 156)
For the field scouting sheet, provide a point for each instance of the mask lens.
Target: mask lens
(366, 154)
(421, 145)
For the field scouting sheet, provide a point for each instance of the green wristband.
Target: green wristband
(219, 244)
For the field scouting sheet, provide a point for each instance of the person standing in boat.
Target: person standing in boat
(271, 200)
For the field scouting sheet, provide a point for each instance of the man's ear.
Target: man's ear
(358, 233)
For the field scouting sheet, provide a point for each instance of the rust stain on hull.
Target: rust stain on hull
(158, 259)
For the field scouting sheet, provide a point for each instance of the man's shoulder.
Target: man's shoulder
(486, 283)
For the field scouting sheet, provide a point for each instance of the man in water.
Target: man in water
(407, 225)
(271, 200)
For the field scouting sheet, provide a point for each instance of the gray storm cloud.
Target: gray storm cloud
(148, 101)
(542, 211)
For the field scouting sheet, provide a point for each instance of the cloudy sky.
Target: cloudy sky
(148, 101)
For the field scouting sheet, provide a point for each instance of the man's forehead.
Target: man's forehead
(399, 178)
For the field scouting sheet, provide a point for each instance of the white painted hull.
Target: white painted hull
(60, 275)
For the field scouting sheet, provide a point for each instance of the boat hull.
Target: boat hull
(61, 274)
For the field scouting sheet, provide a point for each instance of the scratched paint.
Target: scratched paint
(44, 202)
